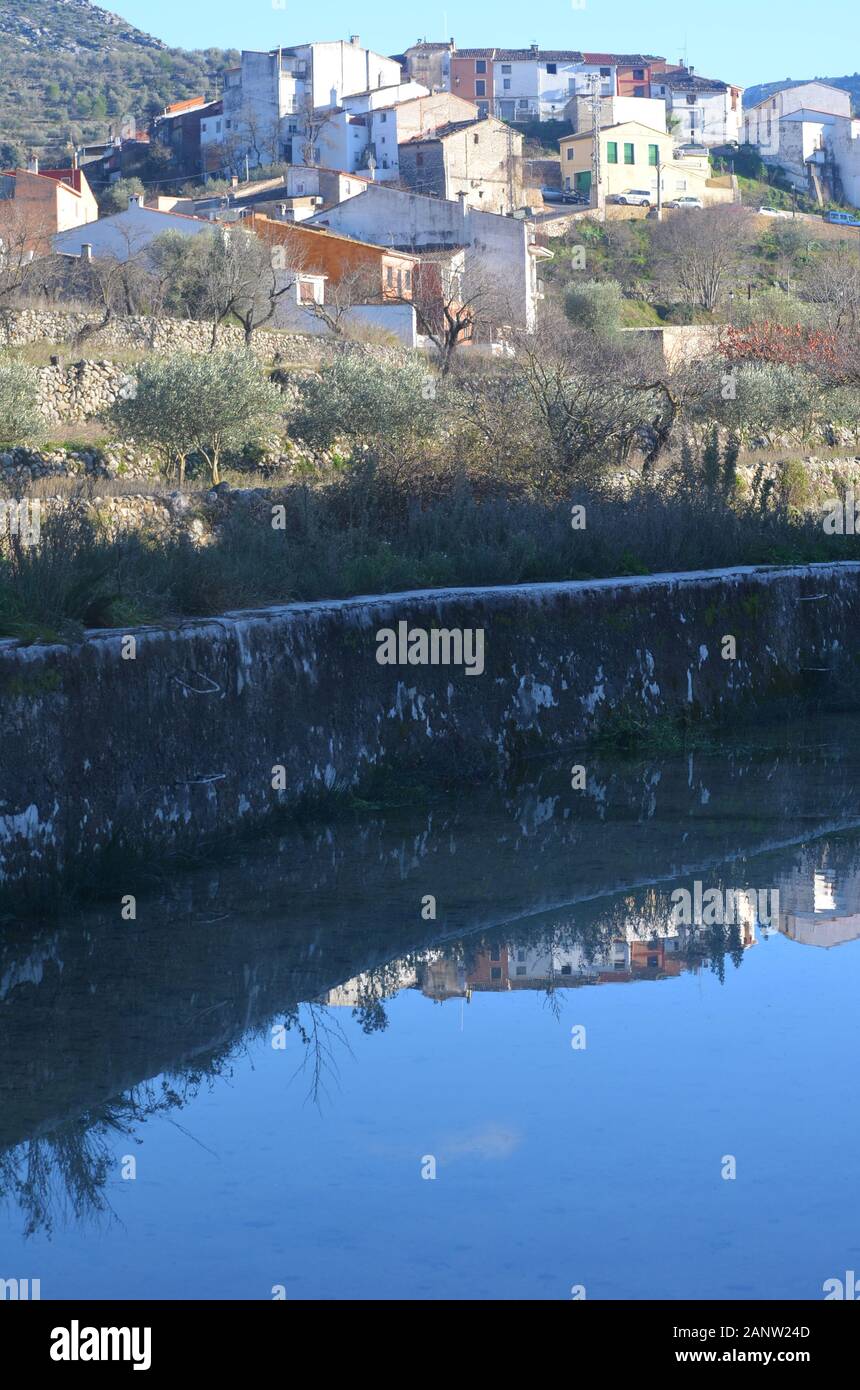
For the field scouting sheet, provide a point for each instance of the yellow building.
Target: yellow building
(632, 156)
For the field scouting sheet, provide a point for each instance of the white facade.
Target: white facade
(127, 234)
(705, 112)
(809, 132)
(498, 249)
(539, 86)
(268, 97)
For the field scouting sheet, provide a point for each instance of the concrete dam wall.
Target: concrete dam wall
(154, 741)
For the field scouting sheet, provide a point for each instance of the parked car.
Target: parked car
(842, 219)
(552, 195)
(773, 212)
(635, 197)
(686, 202)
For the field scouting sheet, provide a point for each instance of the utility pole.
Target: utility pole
(597, 195)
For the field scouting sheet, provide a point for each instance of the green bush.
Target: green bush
(21, 420)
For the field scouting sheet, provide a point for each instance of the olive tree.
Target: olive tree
(359, 398)
(21, 419)
(204, 405)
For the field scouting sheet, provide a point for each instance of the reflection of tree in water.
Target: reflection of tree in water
(319, 1032)
(65, 1173)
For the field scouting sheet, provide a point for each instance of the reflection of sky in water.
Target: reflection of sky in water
(555, 1165)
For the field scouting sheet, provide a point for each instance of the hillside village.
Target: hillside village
(397, 188)
(430, 301)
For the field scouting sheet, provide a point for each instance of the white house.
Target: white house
(269, 97)
(499, 249)
(808, 131)
(126, 234)
(701, 110)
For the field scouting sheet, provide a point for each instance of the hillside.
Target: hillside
(72, 71)
(752, 95)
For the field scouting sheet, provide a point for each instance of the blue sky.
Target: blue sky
(735, 40)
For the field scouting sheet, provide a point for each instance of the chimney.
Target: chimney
(33, 164)
(691, 70)
(135, 201)
(355, 40)
(535, 49)
(87, 251)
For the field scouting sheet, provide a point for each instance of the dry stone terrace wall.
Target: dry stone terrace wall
(20, 327)
(112, 748)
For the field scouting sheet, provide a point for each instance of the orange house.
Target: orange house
(41, 204)
(390, 274)
(472, 76)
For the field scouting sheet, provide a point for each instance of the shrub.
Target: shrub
(595, 305)
(203, 404)
(360, 398)
(21, 419)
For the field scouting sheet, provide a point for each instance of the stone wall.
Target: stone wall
(112, 749)
(82, 390)
(19, 327)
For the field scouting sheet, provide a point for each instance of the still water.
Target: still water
(287, 1077)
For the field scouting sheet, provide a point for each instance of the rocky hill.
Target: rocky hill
(73, 72)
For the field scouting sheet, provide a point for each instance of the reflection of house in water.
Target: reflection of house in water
(818, 906)
(628, 956)
(435, 975)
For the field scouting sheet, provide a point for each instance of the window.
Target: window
(570, 153)
(383, 116)
(389, 277)
(524, 103)
(476, 139)
(639, 91)
(306, 292)
(611, 152)
(506, 83)
(653, 962)
(407, 281)
(605, 72)
(496, 972)
(566, 970)
(419, 158)
(481, 65)
(521, 970)
(552, 68)
(628, 153)
(638, 74)
(521, 955)
(506, 67)
(494, 954)
(480, 89)
(653, 155)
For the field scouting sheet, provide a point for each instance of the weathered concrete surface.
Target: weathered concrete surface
(105, 755)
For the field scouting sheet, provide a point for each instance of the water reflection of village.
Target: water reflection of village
(632, 953)
(819, 906)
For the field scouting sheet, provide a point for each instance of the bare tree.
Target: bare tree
(25, 236)
(247, 276)
(360, 285)
(700, 250)
(458, 298)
